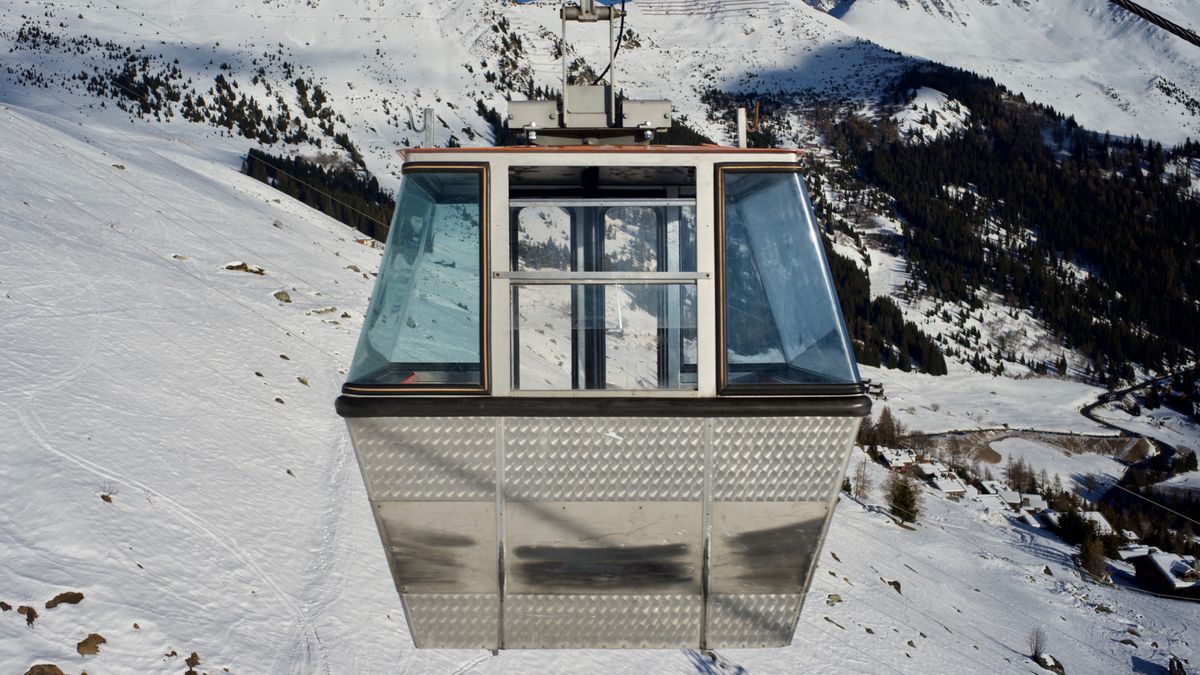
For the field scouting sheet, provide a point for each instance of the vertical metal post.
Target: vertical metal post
(612, 71)
(429, 136)
(670, 262)
(564, 65)
(501, 532)
(741, 127)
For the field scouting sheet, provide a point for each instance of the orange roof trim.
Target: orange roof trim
(405, 153)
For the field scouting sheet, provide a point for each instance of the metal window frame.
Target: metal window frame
(724, 388)
(484, 388)
(515, 279)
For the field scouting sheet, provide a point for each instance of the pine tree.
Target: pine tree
(1091, 557)
(885, 428)
(904, 496)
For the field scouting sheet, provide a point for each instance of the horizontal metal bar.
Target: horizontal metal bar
(648, 201)
(684, 392)
(619, 404)
(559, 277)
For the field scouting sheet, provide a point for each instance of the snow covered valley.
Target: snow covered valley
(171, 452)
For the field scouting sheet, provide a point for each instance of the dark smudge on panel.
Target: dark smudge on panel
(607, 567)
(775, 560)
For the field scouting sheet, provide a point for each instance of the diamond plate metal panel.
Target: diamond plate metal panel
(601, 621)
(604, 459)
(453, 621)
(780, 458)
(746, 620)
(427, 459)
(603, 523)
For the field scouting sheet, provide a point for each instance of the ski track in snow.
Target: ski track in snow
(200, 525)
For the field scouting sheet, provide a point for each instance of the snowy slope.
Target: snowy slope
(930, 115)
(1161, 424)
(973, 584)
(237, 527)
(377, 61)
(136, 366)
(1087, 58)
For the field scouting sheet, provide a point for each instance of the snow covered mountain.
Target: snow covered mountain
(367, 66)
(1089, 58)
(171, 453)
(166, 427)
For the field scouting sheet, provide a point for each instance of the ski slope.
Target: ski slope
(1088, 58)
(137, 367)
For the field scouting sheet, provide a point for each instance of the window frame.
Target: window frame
(528, 278)
(724, 388)
(484, 387)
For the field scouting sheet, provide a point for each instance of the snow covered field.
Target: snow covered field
(965, 400)
(1072, 469)
(137, 367)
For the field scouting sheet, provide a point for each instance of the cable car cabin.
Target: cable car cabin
(603, 397)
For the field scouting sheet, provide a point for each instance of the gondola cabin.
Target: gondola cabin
(604, 394)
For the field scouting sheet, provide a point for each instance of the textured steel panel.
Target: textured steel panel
(763, 547)
(604, 459)
(602, 525)
(453, 621)
(427, 459)
(745, 620)
(603, 547)
(441, 547)
(794, 459)
(601, 621)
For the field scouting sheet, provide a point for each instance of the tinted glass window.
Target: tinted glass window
(424, 324)
(604, 336)
(623, 329)
(782, 321)
(581, 237)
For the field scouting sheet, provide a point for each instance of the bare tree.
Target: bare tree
(957, 450)
(1037, 642)
(862, 482)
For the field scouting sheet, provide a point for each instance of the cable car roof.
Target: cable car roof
(411, 153)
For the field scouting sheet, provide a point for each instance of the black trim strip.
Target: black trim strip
(793, 389)
(528, 406)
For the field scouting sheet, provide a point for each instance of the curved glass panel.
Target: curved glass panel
(424, 325)
(782, 321)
